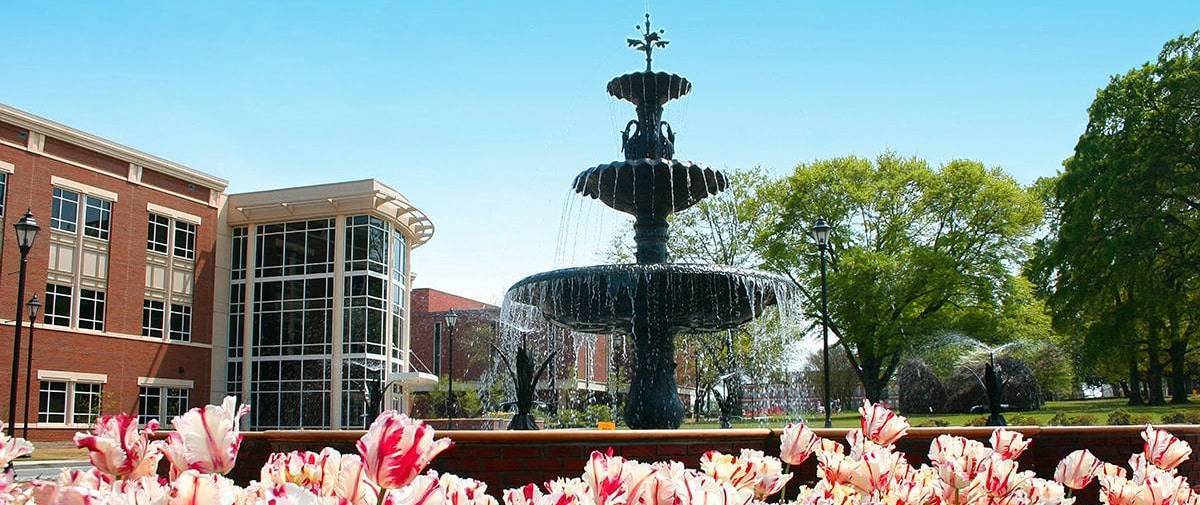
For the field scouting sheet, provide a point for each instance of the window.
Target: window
(185, 240)
(64, 210)
(181, 322)
(3, 191)
(161, 403)
(68, 402)
(52, 402)
(152, 318)
(157, 233)
(91, 310)
(58, 305)
(87, 403)
(97, 215)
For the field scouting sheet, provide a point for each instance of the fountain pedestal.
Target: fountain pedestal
(653, 401)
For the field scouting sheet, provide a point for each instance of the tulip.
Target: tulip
(797, 443)
(606, 477)
(11, 447)
(835, 467)
(881, 425)
(1077, 469)
(700, 489)
(873, 471)
(1008, 444)
(191, 487)
(147, 490)
(462, 491)
(1048, 492)
(396, 449)
(529, 494)
(1119, 491)
(117, 448)
(1110, 470)
(1163, 450)
(206, 439)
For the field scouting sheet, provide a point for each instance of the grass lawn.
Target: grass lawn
(1097, 408)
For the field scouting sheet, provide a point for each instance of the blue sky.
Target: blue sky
(482, 113)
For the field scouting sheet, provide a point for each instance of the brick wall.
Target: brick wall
(122, 359)
(509, 459)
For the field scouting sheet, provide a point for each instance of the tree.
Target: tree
(913, 248)
(1123, 262)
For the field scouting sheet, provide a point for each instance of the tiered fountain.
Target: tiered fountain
(650, 300)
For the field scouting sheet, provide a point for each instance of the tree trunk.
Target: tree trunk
(1154, 372)
(873, 384)
(1135, 381)
(1179, 383)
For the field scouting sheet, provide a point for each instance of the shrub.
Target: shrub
(1023, 420)
(935, 422)
(1141, 420)
(1059, 419)
(1083, 420)
(1188, 417)
(1119, 417)
(977, 421)
(597, 413)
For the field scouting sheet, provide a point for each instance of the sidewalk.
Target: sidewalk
(27, 469)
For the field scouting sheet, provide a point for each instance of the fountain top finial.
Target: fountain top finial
(650, 40)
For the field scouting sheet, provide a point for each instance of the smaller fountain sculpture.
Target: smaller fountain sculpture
(995, 392)
(525, 381)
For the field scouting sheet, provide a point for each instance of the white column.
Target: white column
(335, 370)
(248, 310)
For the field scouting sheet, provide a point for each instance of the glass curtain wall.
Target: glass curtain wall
(291, 318)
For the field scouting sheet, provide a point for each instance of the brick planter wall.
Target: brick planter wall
(508, 459)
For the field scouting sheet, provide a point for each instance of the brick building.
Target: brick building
(160, 292)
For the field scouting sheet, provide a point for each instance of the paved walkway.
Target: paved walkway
(47, 469)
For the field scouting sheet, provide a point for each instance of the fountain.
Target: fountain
(650, 300)
(525, 381)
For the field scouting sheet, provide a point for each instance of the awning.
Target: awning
(415, 382)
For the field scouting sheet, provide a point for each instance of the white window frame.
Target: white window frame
(56, 223)
(71, 379)
(153, 219)
(99, 299)
(162, 389)
(147, 305)
(53, 299)
(183, 334)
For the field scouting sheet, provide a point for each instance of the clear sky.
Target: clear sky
(482, 113)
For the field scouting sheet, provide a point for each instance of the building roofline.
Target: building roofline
(336, 197)
(458, 296)
(81, 138)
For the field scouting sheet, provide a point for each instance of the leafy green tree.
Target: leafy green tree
(913, 248)
(1123, 262)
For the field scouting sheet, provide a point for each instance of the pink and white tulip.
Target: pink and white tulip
(192, 487)
(12, 448)
(797, 443)
(118, 448)
(206, 439)
(1163, 450)
(1008, 444)
(397, 448)
(1077, 469)
(881, 425)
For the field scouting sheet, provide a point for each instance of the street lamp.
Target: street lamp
(451, 318)
(26, 229)
(820, 232)
(33, 306)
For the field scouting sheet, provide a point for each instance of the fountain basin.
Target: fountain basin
(606, 298)
(649, 87)
(648, 185)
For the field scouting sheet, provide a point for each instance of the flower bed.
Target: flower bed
(873, 465)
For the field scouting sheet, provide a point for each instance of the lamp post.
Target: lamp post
(820, 232)
(26, 229)
(33, 306)
(451, 318)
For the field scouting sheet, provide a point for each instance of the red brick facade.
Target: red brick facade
(474, 331)
(119, 352)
